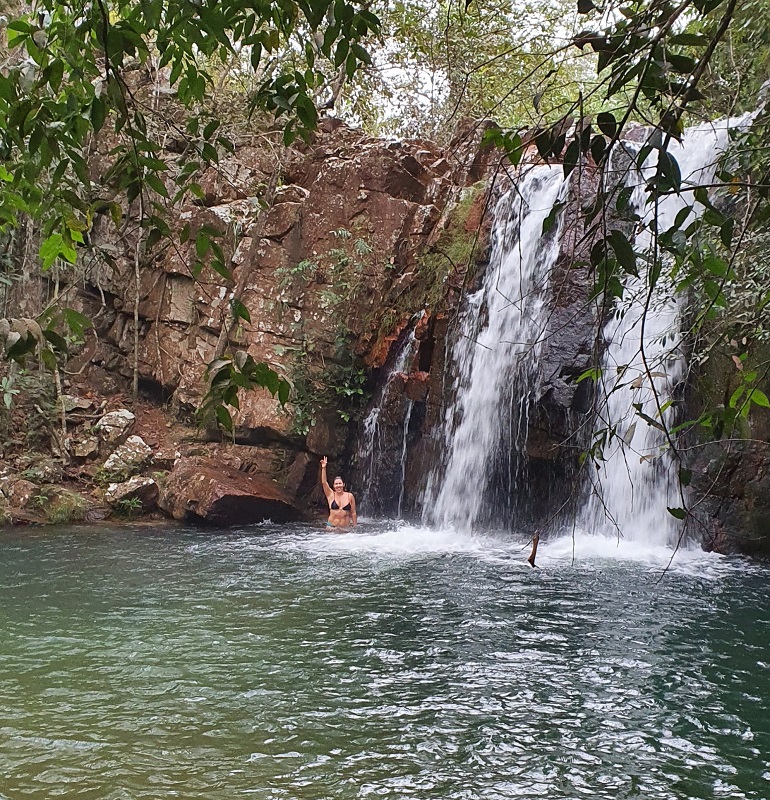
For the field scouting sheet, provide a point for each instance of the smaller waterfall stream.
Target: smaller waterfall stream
(371, 458)
(644, 362)
(495, 359)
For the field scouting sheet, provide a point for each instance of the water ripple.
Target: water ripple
(392, 662)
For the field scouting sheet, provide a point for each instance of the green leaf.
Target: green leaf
(682, 64)
(224, 418)
(48, 358)
(156, 184)
(284, 390)
(218, 266)
(208, 131)
(56, 247)
(598, 148)
(550, 220)
(690, 39)
(726, 232)
(240, 311)
(736, 396)
(362, 54)
(341, 53)
(350, 65)
(571, 157)
(624, 252)
(685, 476)
(98, 113)
(202, 244)
(668, 166)
(544, 144)
(55, 73)
(759, 398)
(679, 513)
(622, 204)
(607, 124)
(59, 343)
(78, 323)
(716, 266)
(210, 230)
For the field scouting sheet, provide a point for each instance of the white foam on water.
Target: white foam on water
(399, 540)
(585, 547)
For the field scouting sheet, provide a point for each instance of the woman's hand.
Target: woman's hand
(324, 462)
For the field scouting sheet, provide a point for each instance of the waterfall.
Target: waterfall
(404, 443)
(377, 470)
(495, 361)
(637, 481)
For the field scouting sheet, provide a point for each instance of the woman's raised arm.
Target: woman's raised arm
(324, 482)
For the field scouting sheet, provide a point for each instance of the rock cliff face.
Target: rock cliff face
(330, 273)
(730, 487)
(365, 247)
(412, 409)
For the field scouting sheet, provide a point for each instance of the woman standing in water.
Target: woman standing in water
(342, 504)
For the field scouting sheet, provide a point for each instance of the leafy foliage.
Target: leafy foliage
(666, 66)
(439, 63)
(73, 80)
(229, 375)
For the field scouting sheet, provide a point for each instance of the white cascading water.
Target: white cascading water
(637, 481)
(495, 359)
(404, 445)
(369, 455)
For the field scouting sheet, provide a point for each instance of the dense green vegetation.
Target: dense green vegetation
(578, 75)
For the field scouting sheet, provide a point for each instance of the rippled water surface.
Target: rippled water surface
(285, 663)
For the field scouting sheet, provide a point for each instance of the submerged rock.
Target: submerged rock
(202, 488)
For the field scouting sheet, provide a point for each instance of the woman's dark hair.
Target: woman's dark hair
(337, 478)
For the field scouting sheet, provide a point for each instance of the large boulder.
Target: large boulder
(202, 488)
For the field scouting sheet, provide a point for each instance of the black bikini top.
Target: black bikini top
(333, 505)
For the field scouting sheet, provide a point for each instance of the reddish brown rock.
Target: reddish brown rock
(378, 355)
(327, 436)
(137, 490)
(330, 273)
(200, 488)
(417, 386)
(21, 493)
(281, 219)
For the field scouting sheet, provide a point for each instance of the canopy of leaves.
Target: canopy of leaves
(66, 77)
(69, 79)
(437, 63)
